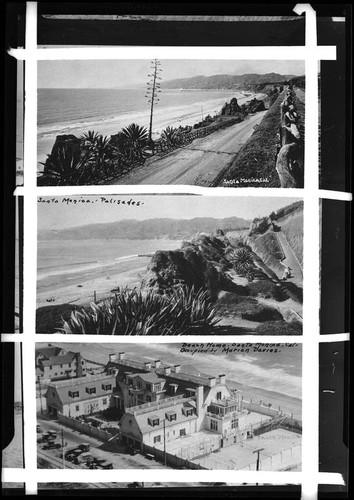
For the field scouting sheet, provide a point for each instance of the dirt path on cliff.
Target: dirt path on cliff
(200, 162)
(290, 260)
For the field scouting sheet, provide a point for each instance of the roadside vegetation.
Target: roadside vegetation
(132, 312)
(256, 159)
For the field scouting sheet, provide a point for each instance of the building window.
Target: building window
(148, 399)
(139, 384)
(82, 362)
(69, 365)
(148, 387)
(153, 421)
(157, 387)
(61, 366)
(213, 425)
(91, 390)
(106, 387)
(234, 423)
(77, 408)
(74, 394)
(104, 401)
(219, 395)
(182, 432)
(171, 416)
(187, 411)
(157, 439)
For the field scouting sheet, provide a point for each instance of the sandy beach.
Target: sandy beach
(79, 288)
(173, 116)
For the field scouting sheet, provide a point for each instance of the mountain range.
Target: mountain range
(133, 229)
(231, 82)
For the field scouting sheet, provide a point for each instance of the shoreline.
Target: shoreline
(173, 116)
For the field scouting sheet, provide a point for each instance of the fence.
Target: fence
(286, 459)
(85, 428)
(171, 460)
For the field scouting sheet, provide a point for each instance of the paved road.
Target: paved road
(200, 162)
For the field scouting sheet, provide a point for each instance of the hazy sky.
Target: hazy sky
(62, 215)
(127, 73)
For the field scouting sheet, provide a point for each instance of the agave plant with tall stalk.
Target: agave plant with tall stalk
(133, 312)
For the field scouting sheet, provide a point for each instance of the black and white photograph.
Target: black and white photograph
(169, 265)
(200, 122)
(196, 406)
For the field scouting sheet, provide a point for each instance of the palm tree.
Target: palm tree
(136, 139)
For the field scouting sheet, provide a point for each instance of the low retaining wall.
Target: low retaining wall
(85, 428)
(171, 460)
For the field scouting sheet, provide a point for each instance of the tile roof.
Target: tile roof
(48, 352)
(59, 360)
(80, 384)
(142, 419)
(150, 377)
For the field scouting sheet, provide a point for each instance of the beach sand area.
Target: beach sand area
(79, 288)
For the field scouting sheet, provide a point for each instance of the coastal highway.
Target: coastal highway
(200, 162)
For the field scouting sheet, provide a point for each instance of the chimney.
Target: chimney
(112, 358)
(177, 368)
(212, 381)
(147, 365)
(222, 378)
(157, 363)
(199, 402)
(79, 371)
(121, 356)
(167, 370)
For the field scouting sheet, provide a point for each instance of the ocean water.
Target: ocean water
(107, 111)
(275, 376)
(56, 258)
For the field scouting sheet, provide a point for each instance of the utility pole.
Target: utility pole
(62, 447)
(153, 89)
(258, 452)
(164, 440)
(40, 393)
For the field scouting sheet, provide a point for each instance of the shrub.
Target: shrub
(131, 312)
(49, 318)
(279, 328)
(259, 312)
(266, 289)
(247, 308)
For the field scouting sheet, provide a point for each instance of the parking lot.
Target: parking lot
(113, 452)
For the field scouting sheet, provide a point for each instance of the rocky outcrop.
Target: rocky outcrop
(199, 263)
(290, 166)
(254, 106)
(69, 142)
(231, 108)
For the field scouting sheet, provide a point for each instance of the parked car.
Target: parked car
(72, 455)
(51, 445)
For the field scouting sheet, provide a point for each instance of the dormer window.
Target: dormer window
(153, 421)
(170, 416)
(148, 387)
(91, 390)
(106, 387)
(219, 395)
(187, 412)
(74, 394)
